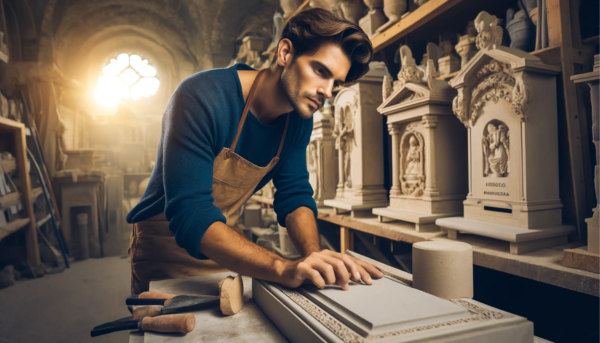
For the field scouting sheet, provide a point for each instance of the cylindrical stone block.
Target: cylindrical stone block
(444, 269)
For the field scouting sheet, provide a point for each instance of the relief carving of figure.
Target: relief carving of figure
(343, 132)
(413, 160)
(496, 151)
(412, 177)
(313, 169)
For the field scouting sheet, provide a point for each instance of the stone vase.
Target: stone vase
(521, 30)
(393, 9)
(352, 10)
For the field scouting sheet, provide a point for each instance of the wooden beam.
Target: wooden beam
(411, 22)
(346, 239)
(560, 34)
(33, 252)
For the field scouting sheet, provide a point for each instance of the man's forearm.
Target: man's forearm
(231, 250)
(302, 228)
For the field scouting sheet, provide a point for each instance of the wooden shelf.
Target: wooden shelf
(418, 17)
(13, 226)
(543, 265)
(44, 220)
(396, 231)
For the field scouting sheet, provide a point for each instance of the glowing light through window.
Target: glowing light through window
(126, 77)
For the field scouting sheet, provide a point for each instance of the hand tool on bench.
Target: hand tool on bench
(172, 303)
(172, 323)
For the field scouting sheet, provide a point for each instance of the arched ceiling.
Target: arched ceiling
(202, 33)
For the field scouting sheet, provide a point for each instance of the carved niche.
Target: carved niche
(494, 81)
(496, 149)
(343, 132)
(412, 162)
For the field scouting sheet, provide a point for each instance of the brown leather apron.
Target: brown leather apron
(153, 253)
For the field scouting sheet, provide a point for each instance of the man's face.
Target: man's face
(310, 78)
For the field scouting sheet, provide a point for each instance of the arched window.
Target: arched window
(126, 77)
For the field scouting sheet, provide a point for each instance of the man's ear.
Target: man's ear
(285, 52)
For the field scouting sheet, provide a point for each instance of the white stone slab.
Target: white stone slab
(411, 216)
(406, 317)
(395, 308)
(502, 232)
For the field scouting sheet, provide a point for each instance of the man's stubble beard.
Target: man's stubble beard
(289, 83)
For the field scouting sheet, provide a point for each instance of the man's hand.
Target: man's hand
(327, 268)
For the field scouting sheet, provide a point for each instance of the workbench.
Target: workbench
(248, 325)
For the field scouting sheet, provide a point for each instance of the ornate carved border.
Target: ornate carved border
(348, 335)
(495, 81)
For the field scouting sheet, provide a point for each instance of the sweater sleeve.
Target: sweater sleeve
(188, 131)
(291, 181)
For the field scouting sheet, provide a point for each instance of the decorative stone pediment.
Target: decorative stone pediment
(493, 75)
(416, 94)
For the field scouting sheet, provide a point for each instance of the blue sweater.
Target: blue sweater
(200, 119)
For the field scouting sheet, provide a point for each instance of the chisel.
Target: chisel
(175, 304)
(172, 323)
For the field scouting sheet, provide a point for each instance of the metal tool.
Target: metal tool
(173, 323)
(177, 304)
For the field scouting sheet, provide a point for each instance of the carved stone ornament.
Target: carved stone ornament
(409, 71)
(412, 162)
(496, 149)
(489, 34)
(495, 81)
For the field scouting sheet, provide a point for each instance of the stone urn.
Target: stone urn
(520, 29)
(289, 7)
(352, 10)
(393, 9)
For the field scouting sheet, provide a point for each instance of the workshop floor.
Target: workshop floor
(65, 307)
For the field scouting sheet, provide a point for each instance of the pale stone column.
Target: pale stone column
(430, 122)
(395, 133)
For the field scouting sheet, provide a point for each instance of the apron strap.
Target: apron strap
(244, 113)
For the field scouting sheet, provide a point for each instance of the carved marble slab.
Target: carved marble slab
(387, 311)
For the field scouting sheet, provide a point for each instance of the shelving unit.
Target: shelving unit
(13, 140)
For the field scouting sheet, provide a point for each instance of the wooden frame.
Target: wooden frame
(20, 146)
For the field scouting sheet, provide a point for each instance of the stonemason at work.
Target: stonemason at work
(226, 133)
(365, 171)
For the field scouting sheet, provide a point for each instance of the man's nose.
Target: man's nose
(327, 90)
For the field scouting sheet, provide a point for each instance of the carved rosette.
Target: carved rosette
(495, 81)
(412, 162)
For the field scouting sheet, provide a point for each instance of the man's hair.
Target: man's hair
(309, 29)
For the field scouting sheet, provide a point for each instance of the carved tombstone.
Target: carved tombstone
(429, 159)
(320, 156)
(357, 134)
(507, 100)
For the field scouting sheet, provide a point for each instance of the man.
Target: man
(226, 133)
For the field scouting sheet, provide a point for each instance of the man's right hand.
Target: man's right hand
(327, 268)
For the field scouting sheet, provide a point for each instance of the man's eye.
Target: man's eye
(319, 71)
